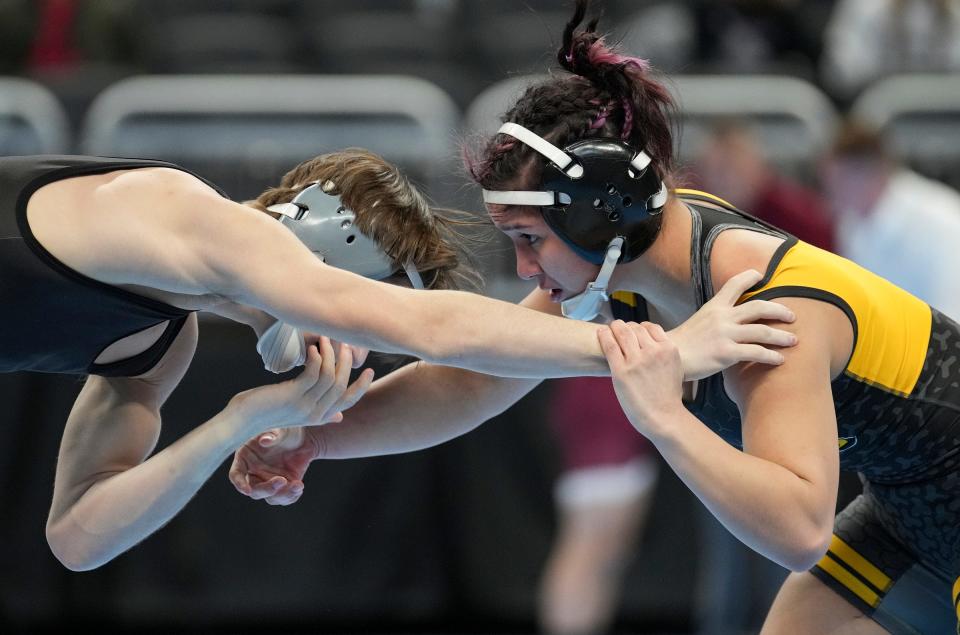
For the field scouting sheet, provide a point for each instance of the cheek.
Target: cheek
(563, 263)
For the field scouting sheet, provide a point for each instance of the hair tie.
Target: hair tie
(600, 119)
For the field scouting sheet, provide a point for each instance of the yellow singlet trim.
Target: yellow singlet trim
(850, 581)
(688, 192)
(893, 327)
(858, 563)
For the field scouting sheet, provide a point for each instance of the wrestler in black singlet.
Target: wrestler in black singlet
(54, 319)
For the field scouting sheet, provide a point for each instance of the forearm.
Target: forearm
(452, 328)
(416, 407)
(766, 506)
(507, 340)
(120, 510)
(466, 330)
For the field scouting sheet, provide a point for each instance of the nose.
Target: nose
(527, 266)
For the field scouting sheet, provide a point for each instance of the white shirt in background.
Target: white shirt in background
(911, 238)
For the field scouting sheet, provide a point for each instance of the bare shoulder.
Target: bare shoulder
(154, 179)
(153, 195)
(808, 358)
(141, 227)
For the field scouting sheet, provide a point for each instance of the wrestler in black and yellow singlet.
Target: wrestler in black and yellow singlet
(896, 548)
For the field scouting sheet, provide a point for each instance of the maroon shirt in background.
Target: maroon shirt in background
(53, 45)
(590, 425)
(794, 209)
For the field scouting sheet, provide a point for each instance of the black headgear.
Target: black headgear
(592, 192)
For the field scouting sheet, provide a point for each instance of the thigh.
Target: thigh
(870, 568)
(806, 605)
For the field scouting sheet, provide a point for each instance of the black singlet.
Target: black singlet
(54, 319)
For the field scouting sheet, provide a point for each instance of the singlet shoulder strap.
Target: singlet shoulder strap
(711, 215)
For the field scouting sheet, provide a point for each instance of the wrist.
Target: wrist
(234, 427)
(675, 335)
(313, 438)
(668, 426)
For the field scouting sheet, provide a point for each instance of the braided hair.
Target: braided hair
(604, 93)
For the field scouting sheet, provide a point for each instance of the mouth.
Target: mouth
(556, 295)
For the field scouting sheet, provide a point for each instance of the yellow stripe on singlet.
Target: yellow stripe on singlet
(956, 592)
(627, 297)
(893, 327)
(688, 192)
(849, 580)
(861, 565)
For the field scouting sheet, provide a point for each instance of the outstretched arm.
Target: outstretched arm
(108, 495)
(422, 404)
(164, 229)
(247, 256)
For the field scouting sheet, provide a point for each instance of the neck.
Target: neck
(662, 274)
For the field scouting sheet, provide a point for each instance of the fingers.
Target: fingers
(286, 495)
(270, 437)
(763, 334)
(323, 418)
(356, 390)
(345, 365)
(281, 438)
(329, 366)
(359, 355)
(756, 310)
(738, 285)
(237, 476)
(655, 331)
(311, 369)
(337, 375)
(626, 337)
(610, 347)
(757, 353)
(641, 332)
(266, 489)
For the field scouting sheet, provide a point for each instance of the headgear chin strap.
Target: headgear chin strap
(328, 229)
(600, 196)
(588, 303)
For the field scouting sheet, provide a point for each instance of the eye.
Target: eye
(530, 238)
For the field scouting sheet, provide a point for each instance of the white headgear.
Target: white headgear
(328, 229)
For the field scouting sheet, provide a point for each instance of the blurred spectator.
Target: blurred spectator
(731, 165)
(866, 39)
(891, 220)
(749, 36)
(602, 498)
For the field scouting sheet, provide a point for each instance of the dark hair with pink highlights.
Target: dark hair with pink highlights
(607, 94)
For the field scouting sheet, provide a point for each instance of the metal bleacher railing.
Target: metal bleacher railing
(920, 114)
(32, 121)
(243, 132)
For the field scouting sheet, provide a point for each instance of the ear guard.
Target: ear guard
(328, 229)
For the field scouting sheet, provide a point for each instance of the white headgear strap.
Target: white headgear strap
(587, 304)
(565, 163)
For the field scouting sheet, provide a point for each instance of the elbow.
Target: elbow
(67, 547)
(808, 549)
